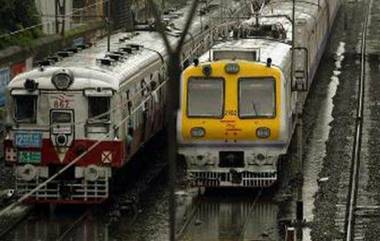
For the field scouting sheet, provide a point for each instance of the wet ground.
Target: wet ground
(237, 216)
(372, 128)
(329, 128)
(40, 225)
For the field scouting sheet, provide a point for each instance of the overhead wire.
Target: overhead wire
(52, 21)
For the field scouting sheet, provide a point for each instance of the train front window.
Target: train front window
(61, 117)
(257, 97)
(25, 108)
(98, 109)
(205, 97)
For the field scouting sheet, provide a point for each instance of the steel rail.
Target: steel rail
(74, 225)
(250, 212)
(193, 212)
(15, 223)
(181, 232)
(355, 162)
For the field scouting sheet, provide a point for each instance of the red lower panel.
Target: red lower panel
(111, 151)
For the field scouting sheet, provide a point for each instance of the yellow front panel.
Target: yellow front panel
(230, 127)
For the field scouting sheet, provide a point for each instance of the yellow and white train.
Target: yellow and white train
(239, 103)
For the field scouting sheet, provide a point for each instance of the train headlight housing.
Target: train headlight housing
(62, 79)
(207, 70)
(232, 68)
(201, 160)
(27, 172)
(91, 173)
(211, 160)
(260, 159)
(263, 132)
(198, 132)
(61, 140)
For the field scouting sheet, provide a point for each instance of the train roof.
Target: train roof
(306, 14)
(279, 52)
(89, 73)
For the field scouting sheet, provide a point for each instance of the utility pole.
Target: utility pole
(63, 14)
(293, 39)
(60, 12)
(108, 20)
(56, 5)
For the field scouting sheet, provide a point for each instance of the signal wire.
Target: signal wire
(53, 21)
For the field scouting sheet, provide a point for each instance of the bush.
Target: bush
(17, 15)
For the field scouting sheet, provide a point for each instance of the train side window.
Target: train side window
(25, 108)
(144, 88)
(98, 109)
(129, 102)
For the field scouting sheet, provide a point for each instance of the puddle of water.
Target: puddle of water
(320, 135)
(234, 220)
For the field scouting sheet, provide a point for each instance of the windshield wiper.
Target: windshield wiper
(254, 107)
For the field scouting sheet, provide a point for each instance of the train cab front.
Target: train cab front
(59, 125)
(232, 125)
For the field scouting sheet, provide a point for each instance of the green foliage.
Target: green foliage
(16, 15)
(2, 113)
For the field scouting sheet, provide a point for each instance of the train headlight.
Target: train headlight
(211, 160)
(260, 159)
(207, 70)
(263, 132)
(201, 160)
(232, 68)
(27, 172)
(61, 140)
(62, 79)
(91, 173)
(198, 132)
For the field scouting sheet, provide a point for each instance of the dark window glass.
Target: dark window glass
(205, 97)
(25, 108)
(97, 107)
(60, 117)
(257, 97)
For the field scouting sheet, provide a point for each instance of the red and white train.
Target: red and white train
(94, 107)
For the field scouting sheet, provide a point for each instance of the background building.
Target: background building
(52, 15)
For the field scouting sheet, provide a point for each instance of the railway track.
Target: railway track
(16, 230)
(235, 219)
(74, 225)
(354, 226)
(12, 223)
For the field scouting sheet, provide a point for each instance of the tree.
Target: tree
(17, 15)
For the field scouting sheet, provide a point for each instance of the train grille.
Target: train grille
(65, 191)
(219, 179)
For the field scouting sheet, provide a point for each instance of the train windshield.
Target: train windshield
(25, 108)
(205, 97)
(98, 109)
(257, 97)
